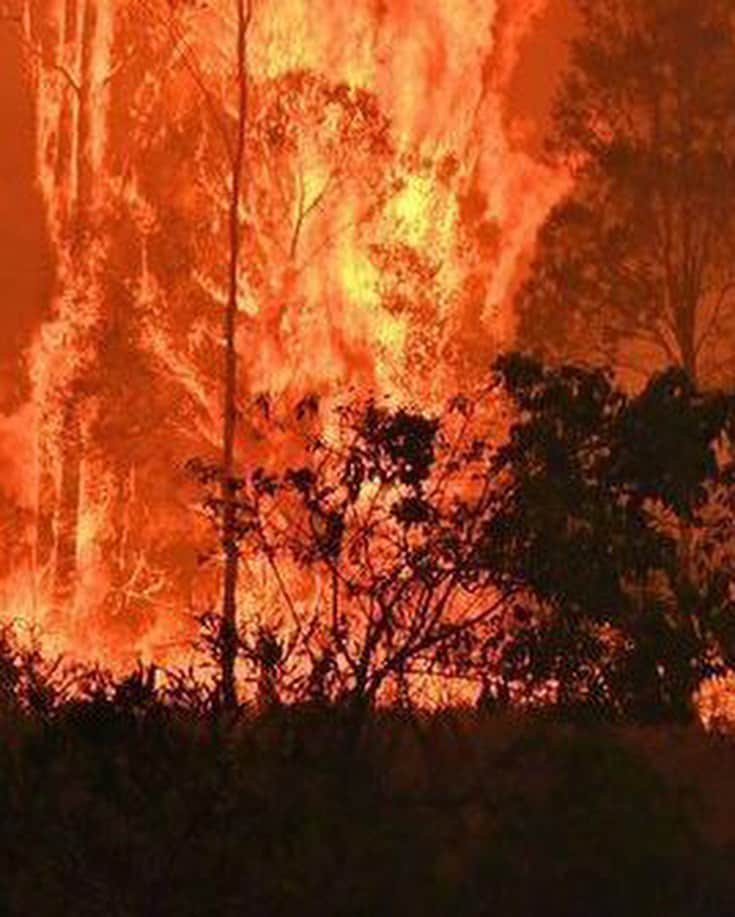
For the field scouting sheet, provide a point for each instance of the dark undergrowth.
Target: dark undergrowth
(108, 809)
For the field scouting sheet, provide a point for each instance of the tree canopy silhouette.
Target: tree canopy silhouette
(599, 485)
(635, 266)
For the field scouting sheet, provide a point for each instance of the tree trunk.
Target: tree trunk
(686, 333)
(67, 513)
(228, 632)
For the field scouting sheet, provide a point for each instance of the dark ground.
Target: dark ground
(103, 813)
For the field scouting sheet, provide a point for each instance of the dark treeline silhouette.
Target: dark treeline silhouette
(130, 797)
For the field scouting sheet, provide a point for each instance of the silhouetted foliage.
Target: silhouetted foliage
(635, 266)
(603, 490)
(123, 800)
(582, 560)
(380, 523)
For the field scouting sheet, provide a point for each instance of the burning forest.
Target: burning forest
(367, 409)
(385, 211)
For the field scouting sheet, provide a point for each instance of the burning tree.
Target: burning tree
(295, 147)
(101, 396)
(69, 53)
(319, 157)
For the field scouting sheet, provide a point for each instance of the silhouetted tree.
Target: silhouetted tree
(635, 266)
(229, 534)
(226, 117)
(372, 545)
(597, 485)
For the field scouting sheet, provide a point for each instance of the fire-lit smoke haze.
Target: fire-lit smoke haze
(394, 187)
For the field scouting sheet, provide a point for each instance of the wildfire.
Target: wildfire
(387, 206)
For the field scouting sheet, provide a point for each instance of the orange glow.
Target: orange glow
(391, 205)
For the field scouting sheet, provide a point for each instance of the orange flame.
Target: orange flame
(384, 261)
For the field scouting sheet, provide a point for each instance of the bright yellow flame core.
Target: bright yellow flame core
(360, 279)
